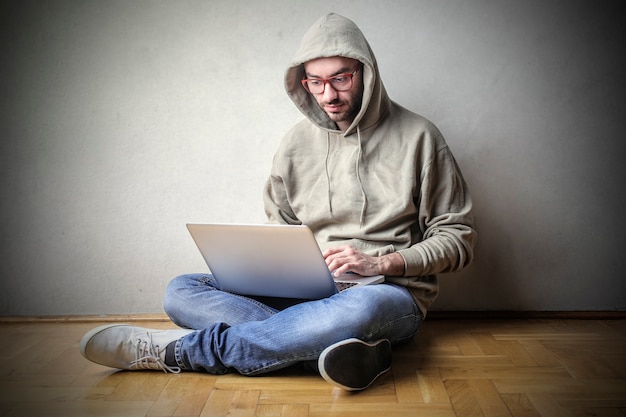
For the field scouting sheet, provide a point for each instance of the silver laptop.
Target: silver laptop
(270, 260)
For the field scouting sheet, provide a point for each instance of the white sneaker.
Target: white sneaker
(353, 364)
(129, 347)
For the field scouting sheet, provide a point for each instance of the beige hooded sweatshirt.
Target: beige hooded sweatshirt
(389, 183)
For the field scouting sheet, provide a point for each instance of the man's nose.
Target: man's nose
(329, 92)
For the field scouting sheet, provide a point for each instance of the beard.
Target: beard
(348, 110)
(347, 113)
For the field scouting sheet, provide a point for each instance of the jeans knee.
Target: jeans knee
(180, 288)
(168, 300)
(171, 300)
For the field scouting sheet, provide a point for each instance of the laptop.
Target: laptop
(270, 261)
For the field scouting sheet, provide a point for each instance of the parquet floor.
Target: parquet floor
(520, 368)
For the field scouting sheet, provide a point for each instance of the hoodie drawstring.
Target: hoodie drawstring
(330, 202)
(358, 177)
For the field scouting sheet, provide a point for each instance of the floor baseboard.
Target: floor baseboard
(86, 318)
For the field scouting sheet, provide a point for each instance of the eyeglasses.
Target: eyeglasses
(340, 82)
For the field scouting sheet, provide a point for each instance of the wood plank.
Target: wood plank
(222, 403)
(519, 405)
(431, 387)
(378, 410)
(488, 398)
(463, 399)
(406, 383)
(546, 405)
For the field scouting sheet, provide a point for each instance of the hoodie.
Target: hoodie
(389, 183)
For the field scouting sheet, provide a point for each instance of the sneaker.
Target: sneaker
(129, 347)
(353, 364)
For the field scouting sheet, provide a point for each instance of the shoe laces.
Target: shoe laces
(148, 357)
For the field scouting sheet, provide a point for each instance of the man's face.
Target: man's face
(341, 106)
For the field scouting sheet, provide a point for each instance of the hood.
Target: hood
(334, 35)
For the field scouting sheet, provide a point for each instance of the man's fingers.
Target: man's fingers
(335, 250)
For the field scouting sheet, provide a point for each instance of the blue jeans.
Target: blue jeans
(253, 336)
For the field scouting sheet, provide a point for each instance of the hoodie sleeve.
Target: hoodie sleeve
(277, 208)
(445, 221)
(275, 195)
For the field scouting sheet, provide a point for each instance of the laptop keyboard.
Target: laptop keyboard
(342, 285)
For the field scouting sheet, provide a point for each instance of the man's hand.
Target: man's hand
(344, 259)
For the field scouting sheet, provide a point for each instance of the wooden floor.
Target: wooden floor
(524, 368)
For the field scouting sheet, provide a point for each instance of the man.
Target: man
(382, 193)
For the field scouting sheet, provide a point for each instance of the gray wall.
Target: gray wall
(122, 120)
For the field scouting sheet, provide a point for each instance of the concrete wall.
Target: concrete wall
(120, 121)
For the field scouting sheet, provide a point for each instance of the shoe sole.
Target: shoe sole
(355, 365)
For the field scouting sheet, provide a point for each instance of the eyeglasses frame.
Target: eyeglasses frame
(350, 75)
